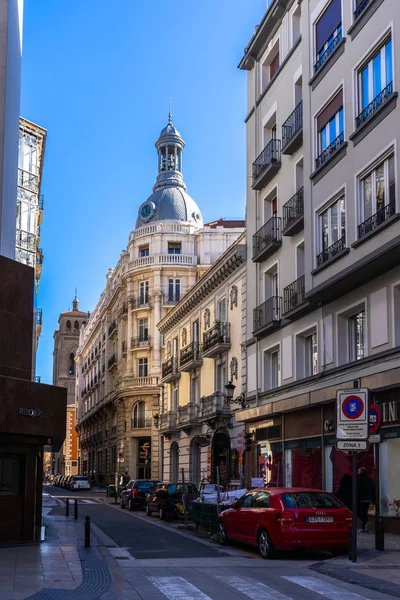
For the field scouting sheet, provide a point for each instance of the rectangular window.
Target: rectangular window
(220, 377)
(275, 369)
(330, 128)
(144, 292)
(143, 330)
(221, 310)
(375, 82)
(377, 192)
(174, 290)
(144, 251)
(174, 397)
(142, 367)
(357, 336)
(195, 389)
(174, 247)
(310, 355)
(333, 224)
(328, 32)
(274, 66)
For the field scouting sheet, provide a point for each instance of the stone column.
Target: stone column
(129, 357)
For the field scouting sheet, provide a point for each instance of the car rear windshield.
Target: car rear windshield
(144, 486)
(80, 478)
(310, 500)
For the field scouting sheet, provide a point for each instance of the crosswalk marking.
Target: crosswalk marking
(177, 588)
(254, 590)
(332, 592)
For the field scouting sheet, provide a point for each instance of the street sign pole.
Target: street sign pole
(354, 516)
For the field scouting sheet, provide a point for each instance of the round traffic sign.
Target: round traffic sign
(375, 418)
(353, 407)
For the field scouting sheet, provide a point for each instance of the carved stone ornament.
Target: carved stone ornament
(234, 368)
(207, 318)
(233, 296)
(168, 350)
(184, 336)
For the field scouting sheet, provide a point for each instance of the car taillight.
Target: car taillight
(286, 518)
(134, 492)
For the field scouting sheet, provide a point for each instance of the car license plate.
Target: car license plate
(320, 519)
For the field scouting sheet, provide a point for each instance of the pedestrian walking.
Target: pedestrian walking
(345, 491)
(365, 495)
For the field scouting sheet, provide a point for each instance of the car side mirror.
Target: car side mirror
(233, 505)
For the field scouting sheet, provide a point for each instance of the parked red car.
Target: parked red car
(286, 519)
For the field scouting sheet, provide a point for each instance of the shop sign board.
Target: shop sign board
(352, 445)
(352, 414)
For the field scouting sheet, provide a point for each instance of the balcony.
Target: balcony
(138, 343)
(293, 295)
(170, 370)
(377, 220)
(329, 152)
(127, 383)
(164, 259)
(112, 362)
(217, 340)
(376, 104)
(292, 131)
(324, 56)
(293, 214)
(141, 302)
(267, 240)
(168, 422)
(190, 357)
(266, 164)
(26, 240)
(332, 253)
(29, 181)
(213, 407)
(188, 416)
(113, 328)
(268, 315)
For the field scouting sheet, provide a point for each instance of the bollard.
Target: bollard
(87, 531)
(67, 507)
(76, 509)
(379, 535)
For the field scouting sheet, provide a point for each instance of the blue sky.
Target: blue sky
(98, 75)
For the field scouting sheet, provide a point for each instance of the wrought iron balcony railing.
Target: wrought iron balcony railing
(112, 361)
(271, 154)
(331, 252)
(140, 301)
(219, 334)
(140, 342)
(170, 367)
(293, 295)
(376, 103)
(268, 313)
(113, 327)
(323, 56)
(377, 219)
(28, 180)
(190, 353)
(293, 124)
(331, 149)
(268, 238)
(293, 210)
(26, 240)
(360, 8)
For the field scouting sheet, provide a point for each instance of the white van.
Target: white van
(79, 482)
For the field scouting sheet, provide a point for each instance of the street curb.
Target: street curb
(102, 538)
(347, 575)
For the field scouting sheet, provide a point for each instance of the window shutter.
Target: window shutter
(329, 112)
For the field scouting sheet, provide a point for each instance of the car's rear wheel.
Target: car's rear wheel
(122, 504)
(265, 546)
(148, 511)
(130, 505)
(161, 513)
(221, 534)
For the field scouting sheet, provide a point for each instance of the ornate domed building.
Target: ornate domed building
(120, 352)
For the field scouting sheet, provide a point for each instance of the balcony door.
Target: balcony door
(220, 377)
(221, 310)
(195, 332)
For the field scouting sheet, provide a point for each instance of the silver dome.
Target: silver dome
(170, 204)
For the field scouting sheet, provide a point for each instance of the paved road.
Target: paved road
(158, 563)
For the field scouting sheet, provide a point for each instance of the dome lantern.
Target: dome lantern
(169, 148)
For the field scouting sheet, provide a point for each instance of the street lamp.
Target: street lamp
(229, 389)
(156, 420)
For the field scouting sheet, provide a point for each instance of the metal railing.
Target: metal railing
(168, 420)
(170, 366)
(219, 334)
(267, 313)
(270, 232)
(326, 154)
(187, 413)
(140, 302)
(26, 240)
(331, 252)
(112, 361)
(376, 103)
(213, 405)
(360, 8)
(294, 208)
(293, 294)
(323, 56)
(270, 154)
(28, 180)
(189, 353)
(140, 342)
(292, 124)
(112, 328)
(377, 219)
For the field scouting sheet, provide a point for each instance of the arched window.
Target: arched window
(141, 416)
(68, 325)
(76, 325)
(71, 370)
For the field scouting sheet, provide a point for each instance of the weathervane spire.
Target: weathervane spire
(170, 112)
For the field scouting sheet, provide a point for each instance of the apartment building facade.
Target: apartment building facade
(120, 352)
(323, 230)
(203, 352)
